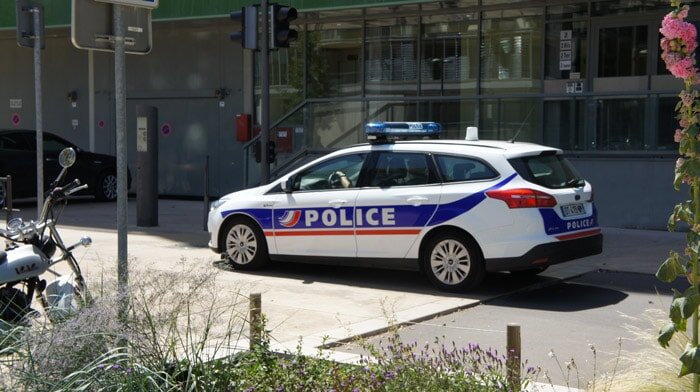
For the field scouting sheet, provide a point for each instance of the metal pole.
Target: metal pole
(120, 103)
(36, 11)
(205, 216)
(265, 96)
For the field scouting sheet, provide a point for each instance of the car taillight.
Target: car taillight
(523, 198)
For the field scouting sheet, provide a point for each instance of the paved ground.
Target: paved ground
(323, 303)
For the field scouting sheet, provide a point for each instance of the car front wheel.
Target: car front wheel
(452, 262)
(106, 188)
(244, 245)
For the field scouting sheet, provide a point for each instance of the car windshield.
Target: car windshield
(551, 171)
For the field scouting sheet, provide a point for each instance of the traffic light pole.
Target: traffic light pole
(265, 96)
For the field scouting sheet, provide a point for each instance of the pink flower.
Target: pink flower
(683, 13)
(683, 68)
(687, 98)
(678, 136)
(684, 123)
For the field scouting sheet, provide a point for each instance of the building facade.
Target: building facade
(582, 76)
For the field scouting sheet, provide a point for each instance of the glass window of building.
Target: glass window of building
(565, 124)
(512, 118)
(449, 62)
(511, 54)
(391, 61)
(567, 11)
(566, 48)
(454, 116)
(620, 124)
(667, 123)
(334, 59)
(622, 51)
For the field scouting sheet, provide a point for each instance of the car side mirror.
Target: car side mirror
(288, 184)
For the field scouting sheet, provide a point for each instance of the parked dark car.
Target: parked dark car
(18, 159)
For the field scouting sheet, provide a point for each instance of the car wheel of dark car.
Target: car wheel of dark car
(453, 262)
(244, 245)
(106, 188)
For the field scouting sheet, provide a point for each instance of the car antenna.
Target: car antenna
(512, 140)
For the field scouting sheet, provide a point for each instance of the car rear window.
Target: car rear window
(549, 170)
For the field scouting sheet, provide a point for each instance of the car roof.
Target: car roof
(479, 147)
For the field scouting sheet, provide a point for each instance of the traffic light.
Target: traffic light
(281, 34)
(248, 35)
(271, 152)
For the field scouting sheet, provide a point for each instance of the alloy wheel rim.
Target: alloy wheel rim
(109, 186)
(450, 262)
(241, 245)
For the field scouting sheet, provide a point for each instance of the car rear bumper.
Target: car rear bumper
(548, 254)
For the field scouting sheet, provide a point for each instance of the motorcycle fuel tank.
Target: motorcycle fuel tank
(21, 263)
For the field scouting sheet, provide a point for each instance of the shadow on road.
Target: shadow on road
(494, 285)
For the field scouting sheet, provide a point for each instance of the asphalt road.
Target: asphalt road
(596, 310)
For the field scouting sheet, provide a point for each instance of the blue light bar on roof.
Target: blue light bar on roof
(393, 130)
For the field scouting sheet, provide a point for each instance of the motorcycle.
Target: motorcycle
(32, 248)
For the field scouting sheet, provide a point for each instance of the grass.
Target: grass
(183, 334)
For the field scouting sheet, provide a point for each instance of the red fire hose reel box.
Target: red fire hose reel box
(243, 127)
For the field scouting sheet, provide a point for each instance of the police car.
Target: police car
(453, 209)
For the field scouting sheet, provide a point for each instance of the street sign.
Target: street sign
(92, 27)
(151, 4)
(25, 23)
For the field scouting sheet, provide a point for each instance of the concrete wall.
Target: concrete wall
(189, 61)
(632, 192)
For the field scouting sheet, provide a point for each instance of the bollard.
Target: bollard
(255, 320)
(513, 362)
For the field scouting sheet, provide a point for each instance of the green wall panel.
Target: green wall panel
(58, 11)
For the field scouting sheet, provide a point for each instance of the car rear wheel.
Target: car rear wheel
(453, 262)
(106, 188)
(244, 245)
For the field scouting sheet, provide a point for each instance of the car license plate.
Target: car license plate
(573, 209)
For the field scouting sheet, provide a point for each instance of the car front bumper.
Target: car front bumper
(548, 254)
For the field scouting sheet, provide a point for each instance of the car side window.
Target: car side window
(456, 169)
(401, 169)
(52, 144)
(14, 142)
(337, 173)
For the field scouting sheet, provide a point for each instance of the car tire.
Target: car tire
(528, 273)
(244, 245)
(106, 187)
(452, 262)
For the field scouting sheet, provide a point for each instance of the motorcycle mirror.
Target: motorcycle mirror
(67, 157)
(85, 240)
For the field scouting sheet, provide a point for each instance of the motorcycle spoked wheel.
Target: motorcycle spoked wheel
(14, 305)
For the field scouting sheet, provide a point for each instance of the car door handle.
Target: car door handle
(337, 203)
(417, 200)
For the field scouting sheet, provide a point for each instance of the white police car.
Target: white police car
(453, 209)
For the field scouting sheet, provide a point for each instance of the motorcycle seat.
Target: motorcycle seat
(3, 256)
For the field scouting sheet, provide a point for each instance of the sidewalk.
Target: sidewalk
(322, 304)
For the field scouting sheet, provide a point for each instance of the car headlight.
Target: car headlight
(216, 204)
